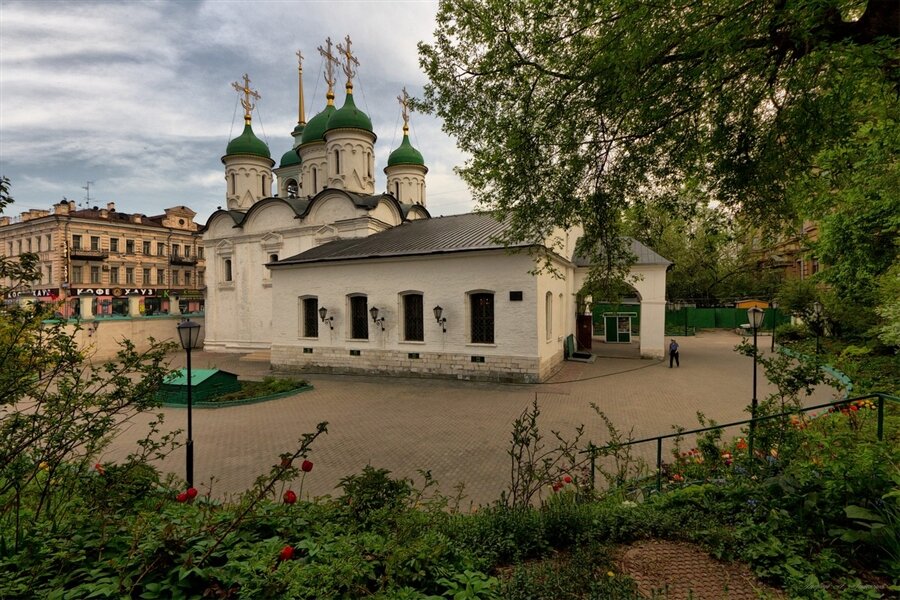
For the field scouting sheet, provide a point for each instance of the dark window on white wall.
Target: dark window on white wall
(359, 318)
(482, 318)
(310, 317)
(413, 328)
(228, 269)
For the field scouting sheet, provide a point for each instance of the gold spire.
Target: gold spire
(301, 113)
(330, 61)
(404, 108)
(248, 93)
(349, 62)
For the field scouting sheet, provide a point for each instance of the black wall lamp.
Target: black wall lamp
(322, 314)
(375, 319)
(442, 321)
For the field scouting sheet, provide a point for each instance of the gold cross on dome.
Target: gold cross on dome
(300, 60)
(248, 93)
(330, 61)
(404, 108)
(349, 62)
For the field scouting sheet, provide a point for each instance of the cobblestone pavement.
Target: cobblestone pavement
(458, 430)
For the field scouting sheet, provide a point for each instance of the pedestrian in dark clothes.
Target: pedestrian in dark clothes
(673, 354)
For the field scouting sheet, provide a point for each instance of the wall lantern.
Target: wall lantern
(442, 321)
(375, 319)
(322, 314)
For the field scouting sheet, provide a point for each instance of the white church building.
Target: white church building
(329, 275)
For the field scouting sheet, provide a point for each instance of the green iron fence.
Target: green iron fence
(690, 318)
(594, 451)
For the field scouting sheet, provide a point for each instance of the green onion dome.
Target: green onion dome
(349, 117)
(290, 158)
(315, 128)
(405, 155)
(248, 143)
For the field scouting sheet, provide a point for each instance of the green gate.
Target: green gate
(618, 327)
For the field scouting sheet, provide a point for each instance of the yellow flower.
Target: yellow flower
(610, 574)
(44, 466)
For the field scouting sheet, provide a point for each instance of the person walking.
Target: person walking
(673, 354)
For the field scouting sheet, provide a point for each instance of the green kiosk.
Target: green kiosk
(618, 327)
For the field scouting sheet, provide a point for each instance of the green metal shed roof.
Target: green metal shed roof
(198, 376)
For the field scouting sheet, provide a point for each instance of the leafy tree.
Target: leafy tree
(572, 111)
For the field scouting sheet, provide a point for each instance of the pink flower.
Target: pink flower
(290, 497)
(306, 466)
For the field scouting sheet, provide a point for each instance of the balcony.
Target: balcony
(85, 254)
(182, 260)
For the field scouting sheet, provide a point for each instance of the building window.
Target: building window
(310, 317)
(49, 273)
(76, 274)
(49, 242)
(176, 249)
(160, 277)
(228, 273)
(76, 243)
(146, 277)
(200, 252)
(233, 184)
(129, 246)
(146, 248)
(263, 190)
(113, 275)
(337, 161)
(397, 190)
(359, 317)
(548, 314)
(200, 278)
(482, 305)
(175, 278)
(95, 242)
(95, 274)
(187, 251)
(273, 258)
(160, 249)
(413, 326)
(129, 275)
(187, 278)
(315, 180)
(113, 244)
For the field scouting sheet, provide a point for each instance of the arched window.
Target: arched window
(482, 317)
(227, 269)
(548, 315)
(397, 190)
(369, 163)
(359, 317)
(337, 161)
(309, 316)
(233, 184)
(315, 181)
(273, 258)
(263, 191)
(413, 317)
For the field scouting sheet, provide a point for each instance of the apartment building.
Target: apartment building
(98, 262)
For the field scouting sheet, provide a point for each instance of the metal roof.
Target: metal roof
(645, 256)
(438, 235)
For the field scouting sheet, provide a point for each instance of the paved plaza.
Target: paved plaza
(459, 430)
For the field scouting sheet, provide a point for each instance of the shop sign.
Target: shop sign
(48, 293)
(117, 291)
(188, 294)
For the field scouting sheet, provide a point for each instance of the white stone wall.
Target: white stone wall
(312, 155)
(357, 163)
(444, 281)
(248, 179)
(407, 183)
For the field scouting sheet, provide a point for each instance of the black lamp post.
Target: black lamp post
(817, 311)
(442, 321)
(374, 312)
(189, 334)
(756, 316)
(774, 322)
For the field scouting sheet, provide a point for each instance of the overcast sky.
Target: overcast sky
(136, 97)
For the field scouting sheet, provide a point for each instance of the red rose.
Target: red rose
(557, 486)
(286, 553)
(854, 408)
(290, 497)
(307, 466)
(191, 493)
(286, 462)
(567, 479)
(182, 497)
(99, 468)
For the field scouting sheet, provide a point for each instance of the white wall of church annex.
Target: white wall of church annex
(447, 280)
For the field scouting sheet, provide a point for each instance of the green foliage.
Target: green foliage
(268, 386)
(372, 493)
(790, 332)
(573, 112)
(889, 307)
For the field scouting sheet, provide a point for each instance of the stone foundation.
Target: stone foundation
(506, 369)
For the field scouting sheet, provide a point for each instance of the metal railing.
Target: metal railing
(594, 451)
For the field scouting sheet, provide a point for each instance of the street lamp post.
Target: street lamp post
(774, 322)
(817, 311)
(756, 316)
(189, 335)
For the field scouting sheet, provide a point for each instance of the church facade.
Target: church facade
(328, 275)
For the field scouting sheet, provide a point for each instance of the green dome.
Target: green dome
(290, 158)
(248, 143)
(349, 117)
(298, 130)
(315, 128)
(405, 155)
